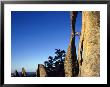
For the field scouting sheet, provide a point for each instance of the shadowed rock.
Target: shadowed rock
(16, 74)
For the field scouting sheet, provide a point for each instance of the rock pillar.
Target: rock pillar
(89, 45)
(70, 59)
(41, 71)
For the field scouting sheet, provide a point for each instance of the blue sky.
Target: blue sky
(36, 34)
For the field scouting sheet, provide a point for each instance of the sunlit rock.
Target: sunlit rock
(71, 58)
(89, 45)
(23, 73)
(41, 71)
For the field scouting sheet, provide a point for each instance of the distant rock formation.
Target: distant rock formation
(23, 73)
(41, 71)
(89, 45)
(16, 74)
(71, 58)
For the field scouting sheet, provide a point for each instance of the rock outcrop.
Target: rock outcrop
(71, 59)
(16, 74)
(89, 45)
(23, 72)
(41, 71)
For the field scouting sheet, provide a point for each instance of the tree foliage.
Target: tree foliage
(55, 65)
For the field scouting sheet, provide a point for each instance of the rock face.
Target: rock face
(41, 71)
(89, 45)
(71, 59)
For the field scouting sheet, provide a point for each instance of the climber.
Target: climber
(77, 33)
